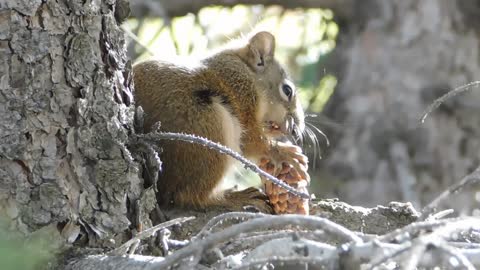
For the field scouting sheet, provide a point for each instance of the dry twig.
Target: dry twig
(473, 177)
(447, 96)
(212, 223)
(437, 238)
(197, 247)
(155, 136)
(132, 243)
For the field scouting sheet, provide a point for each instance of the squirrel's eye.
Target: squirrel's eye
(288, 91)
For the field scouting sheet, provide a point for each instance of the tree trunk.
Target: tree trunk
(392, 60)
(67, 112)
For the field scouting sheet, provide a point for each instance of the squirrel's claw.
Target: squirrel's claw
(250, 199)
(285, 153)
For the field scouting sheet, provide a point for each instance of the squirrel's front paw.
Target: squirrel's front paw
(249, 199)
(285, 153)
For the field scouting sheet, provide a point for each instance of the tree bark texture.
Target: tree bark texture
(66, 107)
(393, 59)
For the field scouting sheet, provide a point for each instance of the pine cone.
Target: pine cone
(282, 201)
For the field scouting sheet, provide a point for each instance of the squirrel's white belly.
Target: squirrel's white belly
(232, 133)
(231, 127)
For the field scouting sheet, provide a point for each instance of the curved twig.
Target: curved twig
(448, 95)
(147, 233)
(210, 241)
(155, 136)
(473, 177)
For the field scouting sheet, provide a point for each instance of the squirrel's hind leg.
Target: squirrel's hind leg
(193, 173)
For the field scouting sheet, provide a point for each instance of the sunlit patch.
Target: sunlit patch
(454, 262)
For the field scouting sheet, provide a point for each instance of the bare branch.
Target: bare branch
(134, 37)
(147, 233)
(222, 218)
(463, 261)
(440, 215)
(437, 238)
(289, 247)
(474, 177)
(415, 255)
(447, 96)
(252, 240)
(323, 261)
(210, 241)
(156, 136)
(366, 252)
(408, 232)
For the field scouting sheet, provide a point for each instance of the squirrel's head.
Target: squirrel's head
(280, 107)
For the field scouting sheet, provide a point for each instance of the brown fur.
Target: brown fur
(188, 100)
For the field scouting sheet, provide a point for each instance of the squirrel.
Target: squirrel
(240, 97)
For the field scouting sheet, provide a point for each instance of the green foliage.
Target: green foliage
(20, 253)
(315, 97)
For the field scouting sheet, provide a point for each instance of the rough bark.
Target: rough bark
(66, 106)
(392, 60)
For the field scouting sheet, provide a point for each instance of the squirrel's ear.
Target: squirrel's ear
(262, 49)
